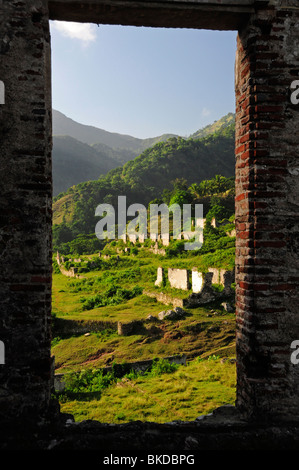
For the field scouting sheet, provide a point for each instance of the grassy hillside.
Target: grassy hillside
(184, 394)
(111, 289)
(86, 312)
(219, 125)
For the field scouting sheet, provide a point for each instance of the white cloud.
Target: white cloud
(206, 112)
(85, 32)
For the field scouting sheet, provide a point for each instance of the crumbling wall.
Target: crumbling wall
(26, 211)
(267, 207)
(179, 278)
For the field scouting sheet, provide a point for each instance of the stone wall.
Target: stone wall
(137, 366)
(26, 210)
(179, 278)
(267, 207)
(197, 280)
(160, 277)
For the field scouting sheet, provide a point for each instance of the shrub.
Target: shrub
(162, 366)
(88, 381)
(114, 295)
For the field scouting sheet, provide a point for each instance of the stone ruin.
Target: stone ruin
(197, 281)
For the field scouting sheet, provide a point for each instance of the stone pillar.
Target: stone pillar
(197, 280)
(25, 208)
(160, 274)
(267, 208)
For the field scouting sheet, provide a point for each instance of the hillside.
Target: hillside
(82, 153)
(219, 125)
(192, 160)
(63, 125)
(75, 162)
(74, 211)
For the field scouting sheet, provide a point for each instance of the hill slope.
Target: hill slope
(217, 126)
(75, 162)
(83, 153)
(147, 176)
(192, 160)
(63, 125)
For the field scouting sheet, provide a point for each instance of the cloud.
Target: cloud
(206, 112)
(85, 32)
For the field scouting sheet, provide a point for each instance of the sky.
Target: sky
(143, 82)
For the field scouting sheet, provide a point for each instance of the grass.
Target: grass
(195, 335)
(192, 390)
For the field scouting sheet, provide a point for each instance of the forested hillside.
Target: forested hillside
(75, 162)
(171, 171)
(83, 153)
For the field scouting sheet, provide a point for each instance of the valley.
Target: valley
(106, 316)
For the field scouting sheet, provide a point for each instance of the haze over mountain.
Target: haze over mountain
(63, 125)
(84, 153)
(74, 162)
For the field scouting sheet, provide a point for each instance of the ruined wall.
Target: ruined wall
(185, 279)
(179, 278)
(25, 208)
(267, 207)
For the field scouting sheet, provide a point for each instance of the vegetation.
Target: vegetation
(158, 396)
(113, 280)
(177, 170)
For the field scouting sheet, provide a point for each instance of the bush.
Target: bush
(88, 381)
(162, 366)
(114, 295)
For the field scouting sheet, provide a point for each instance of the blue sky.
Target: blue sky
(142, 81)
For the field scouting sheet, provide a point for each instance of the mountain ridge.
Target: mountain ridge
(91, 135)
(79, 155)
(147, 177)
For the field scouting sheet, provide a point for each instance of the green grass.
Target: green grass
(77, 298)
(195, 335)
(192, 390)
(195, 389)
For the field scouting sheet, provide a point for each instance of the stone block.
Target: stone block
(179, 278)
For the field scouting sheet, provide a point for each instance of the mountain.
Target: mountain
(192, 160)
(82, 152)
(75, 162)
(219, 125)
(63, 125)
(148, 176)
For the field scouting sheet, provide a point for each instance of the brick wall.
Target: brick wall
(267, 221)
(25, 209)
